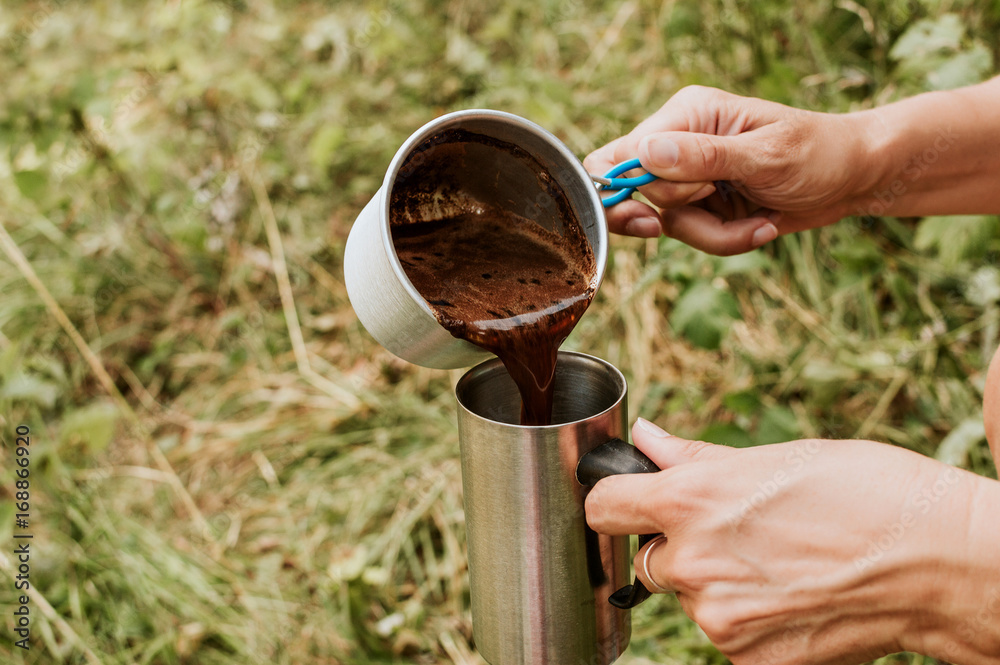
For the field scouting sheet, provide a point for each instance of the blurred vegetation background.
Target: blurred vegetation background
(227, 469)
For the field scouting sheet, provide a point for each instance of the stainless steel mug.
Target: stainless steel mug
(546, 589)
(457, 176)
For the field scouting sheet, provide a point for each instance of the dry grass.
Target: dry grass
(226, 468)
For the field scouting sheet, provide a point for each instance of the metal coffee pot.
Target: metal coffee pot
(386, 302)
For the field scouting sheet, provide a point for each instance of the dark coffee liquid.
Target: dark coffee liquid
(506, 284)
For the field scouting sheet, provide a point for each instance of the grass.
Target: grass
(227, 469)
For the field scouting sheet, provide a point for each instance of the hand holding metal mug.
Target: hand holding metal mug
(811, 551)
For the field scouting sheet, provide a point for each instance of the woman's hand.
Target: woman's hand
(814, 551)
(784, 170)
(788, 170)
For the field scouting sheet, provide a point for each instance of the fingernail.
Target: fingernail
(650, 428)
(643, 227)
(658, 152)
(701, 193)
(774, 216)
(764, 235)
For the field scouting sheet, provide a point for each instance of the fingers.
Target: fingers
(649, 568)
(692, 109)
(710, 233)
(630, 218)
(625, 504)
(690, 157)
(700, 135)
(667, 194)
(633, 218)
(643, 502)
(668, 451)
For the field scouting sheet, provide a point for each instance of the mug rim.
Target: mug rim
(455, 117)
(492, 364)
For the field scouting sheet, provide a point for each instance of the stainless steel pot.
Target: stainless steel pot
(386, 302)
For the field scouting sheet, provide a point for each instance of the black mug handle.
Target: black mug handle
(611, 459)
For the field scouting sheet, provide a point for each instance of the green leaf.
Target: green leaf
(743, 263)
(779, 83)
(10, 359)
(463, 53)
(777, 425)
(826, 380)
(30, 388)
(744, 402)
(703, 314)
(84, 87)
(957, 237)
(955, 447)
(983, 289)
(92, 426)
(31, 184)
(928, 36)
(726, 434)
(859, 255)
(962, 69)
(822, 370)
(324, 145)
(685, 19)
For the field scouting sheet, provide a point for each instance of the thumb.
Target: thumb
(668, 451)
(691, 157)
